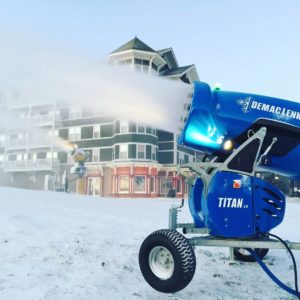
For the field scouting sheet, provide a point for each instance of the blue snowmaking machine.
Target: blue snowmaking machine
(241, 134)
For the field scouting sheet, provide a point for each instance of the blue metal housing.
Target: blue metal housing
(236, 206)
(218, 116)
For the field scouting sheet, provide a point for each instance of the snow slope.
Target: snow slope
(61, 246)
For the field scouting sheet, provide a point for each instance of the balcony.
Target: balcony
(26, 143)
(45, 120)
(30, 165)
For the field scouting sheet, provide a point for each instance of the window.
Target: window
(141, 151)
(141, 65)
(132, 127)
(124, 184)
(124, 126)
(96, 131)
(125, 62)
(12, 136)
(139, 184)
(152, 184)
(141, 128)
(50, 155)
(154, 66)
(106, 130)
(51, 133)
(123, 151)
(94, 184)
(165, 185)
(181, 158)
(2, 137)
(95, 154)
(75, 113)
(179, 186)
(74, 133)
(88, 155)
(153, 153)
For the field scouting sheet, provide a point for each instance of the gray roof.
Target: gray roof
(175, 71)
(168, 55)
(163, 50)
(134, 44)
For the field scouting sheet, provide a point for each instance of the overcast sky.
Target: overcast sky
(251, 46)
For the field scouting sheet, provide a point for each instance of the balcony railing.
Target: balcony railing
(30, 165)
(45, 119)
(24, 143)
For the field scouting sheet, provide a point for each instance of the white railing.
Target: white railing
(42, 119)
(30, 165)
(20, 143)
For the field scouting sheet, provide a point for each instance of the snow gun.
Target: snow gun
(79, 158)
(240, 134)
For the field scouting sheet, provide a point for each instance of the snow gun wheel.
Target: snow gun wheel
(167, 261)
(242, 254)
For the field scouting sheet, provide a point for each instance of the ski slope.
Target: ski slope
(64, 246)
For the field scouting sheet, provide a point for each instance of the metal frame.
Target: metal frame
(207, 240)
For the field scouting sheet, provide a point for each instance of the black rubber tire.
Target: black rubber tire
(261, 252)
(182, 254)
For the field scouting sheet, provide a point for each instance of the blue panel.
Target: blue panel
(228, 209)
(269, 205)
(237, 206)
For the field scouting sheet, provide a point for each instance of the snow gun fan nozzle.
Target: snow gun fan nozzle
(218, 122)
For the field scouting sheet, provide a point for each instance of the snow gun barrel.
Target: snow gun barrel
(218, 121)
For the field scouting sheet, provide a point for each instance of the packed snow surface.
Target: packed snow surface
(64, 246)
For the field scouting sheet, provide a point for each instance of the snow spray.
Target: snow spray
(106, 90)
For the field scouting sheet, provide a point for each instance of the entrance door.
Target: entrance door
(94, 186)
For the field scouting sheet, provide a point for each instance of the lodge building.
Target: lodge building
(124, 159)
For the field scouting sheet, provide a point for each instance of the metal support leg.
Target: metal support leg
(173, 215)
(232, 260)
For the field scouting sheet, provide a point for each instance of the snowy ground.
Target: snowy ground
(61, 246)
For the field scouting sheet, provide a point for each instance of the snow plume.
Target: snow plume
(108, 90)
(14, 123)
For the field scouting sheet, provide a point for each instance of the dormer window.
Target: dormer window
(141, 65)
